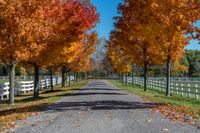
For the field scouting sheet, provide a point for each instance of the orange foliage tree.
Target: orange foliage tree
(23, 27)
(177, 17)
(36, 31)
(70, 20)
(153, 31)
(82, 61)
(135, 35)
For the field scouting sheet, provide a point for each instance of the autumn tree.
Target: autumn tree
(176, 18)
(82, 61)
(153, 31)
(135, 35)
(119, 60)
(22, 24)
(69, 20)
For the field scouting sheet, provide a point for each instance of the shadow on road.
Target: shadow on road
(93, 93)
(96, 88)
(100, 105)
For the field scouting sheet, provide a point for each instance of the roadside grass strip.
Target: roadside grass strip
(174, 107)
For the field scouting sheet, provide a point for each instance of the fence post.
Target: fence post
(189, 90)
(172, 87)
(56, 80)
(196, 92)
(132, 79)
(163, 86)
(45, 80)
(150, 83)
(182, 89)
(177, 88)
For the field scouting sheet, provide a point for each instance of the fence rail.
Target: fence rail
(180, 86)
(30, 77)
(28, 86)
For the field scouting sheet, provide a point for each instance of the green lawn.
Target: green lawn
(192, 105)
(3, 81)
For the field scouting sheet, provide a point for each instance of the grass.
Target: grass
(26, 105)
(3, 81)
(188, 106)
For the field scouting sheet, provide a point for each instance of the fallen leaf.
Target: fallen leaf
(166, 129)
(150, 120)
(198, 127)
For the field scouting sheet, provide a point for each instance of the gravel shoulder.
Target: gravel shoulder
(101, 108)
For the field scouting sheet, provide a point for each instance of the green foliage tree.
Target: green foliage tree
(193, 57)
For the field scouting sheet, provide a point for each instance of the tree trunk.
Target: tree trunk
(117, 77)
(74, 77)
(79, 78)
(69, 78)
(51, 78)
(36, 81)
(126, 77)
(85, 75)
(63, 76)
(168, 77)
(132, 75)
(122, 78)
(11, 71)
(145, 76)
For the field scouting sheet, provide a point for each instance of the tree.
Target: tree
(69, 22)
(153, 31)
(100, 61)
(177, 18)
(22, 24)
(29, 28)
(193, 57)
(81, 63)
(136, 36)
(119, 63)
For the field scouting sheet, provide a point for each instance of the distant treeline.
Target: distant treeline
(4, 72)
(20, 71)
(189, 66)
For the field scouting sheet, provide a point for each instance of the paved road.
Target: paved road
(101, 108)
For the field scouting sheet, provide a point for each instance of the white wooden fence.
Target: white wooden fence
(184, 88)
(31, 77)
(4, 91)
(27, 86)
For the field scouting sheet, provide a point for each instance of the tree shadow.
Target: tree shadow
(93, 93)
(99, 105)
(50, 91)
(93, 88)
(31, 108)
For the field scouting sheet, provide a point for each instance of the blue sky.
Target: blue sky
(108, 10)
